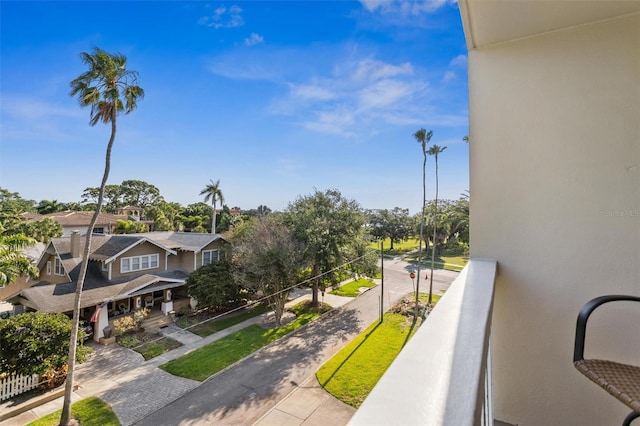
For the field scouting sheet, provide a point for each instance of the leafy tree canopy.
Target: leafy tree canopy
(36, 342)
(214, 286)
(329, 225)
(270, 260)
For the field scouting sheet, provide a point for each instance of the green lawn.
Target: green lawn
(211, 358)
(89, 412)
(353, 372)
(448, 262)
(210, 327)
(398, 248)
(352, 289)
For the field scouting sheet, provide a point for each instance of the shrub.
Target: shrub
(130, 322)
(37, 342)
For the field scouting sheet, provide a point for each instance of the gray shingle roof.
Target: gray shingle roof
(60, 297)
(49, 297)
(184, 240)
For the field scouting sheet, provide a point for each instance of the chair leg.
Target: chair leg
(631, 417)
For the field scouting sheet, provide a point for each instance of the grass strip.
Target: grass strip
(157, 348)
(210, 327)
(88, 412)
(353, 372)
(214, 357)
(352, 289)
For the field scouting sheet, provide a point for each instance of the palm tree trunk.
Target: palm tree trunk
(424, 202)
(213, 217)
(73, 343)
(435, 227)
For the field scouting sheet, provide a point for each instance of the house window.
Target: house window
(58, 269)
(98, 230)
(49, 268)
(105, 267)
(208, 256)
(139, 263)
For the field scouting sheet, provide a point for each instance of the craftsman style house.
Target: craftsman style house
(125, 273)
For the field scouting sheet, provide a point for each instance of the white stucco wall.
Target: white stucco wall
(555, 199)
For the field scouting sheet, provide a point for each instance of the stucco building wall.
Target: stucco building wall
(555, 198)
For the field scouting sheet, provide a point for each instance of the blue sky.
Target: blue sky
(272, 98)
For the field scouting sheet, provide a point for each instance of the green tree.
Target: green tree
(327, 223)
(13, 202)
(49, 206)
(41, 230)
(111, 199)
(212, 192)
(130, 227)
(214, 286)
(139, 193)
(37, 342)
(460, 218)
(393, 224)
(109, 89)
(13, 262)
(270, 260)
(164, 215)
(423, 138)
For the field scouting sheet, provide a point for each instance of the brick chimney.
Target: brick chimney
(75, 244)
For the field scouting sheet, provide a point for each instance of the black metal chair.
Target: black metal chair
(620, 380)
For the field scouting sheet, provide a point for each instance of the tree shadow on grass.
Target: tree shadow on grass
(324, 384)
(244, 391)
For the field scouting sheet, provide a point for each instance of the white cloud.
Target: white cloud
(223, 18)
(311, 91)
(404, 7)
(335, 122)
(459, 61)
(448, 76)
(35, 109)
(370, 69)
(383, 94)
(253, 39)
(338, 91)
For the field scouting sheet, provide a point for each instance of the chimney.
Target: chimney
(75, 244)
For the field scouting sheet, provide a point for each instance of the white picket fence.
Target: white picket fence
(16, 384)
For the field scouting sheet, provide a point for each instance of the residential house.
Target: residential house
(554, 114)
(125, 273)
(79, 220)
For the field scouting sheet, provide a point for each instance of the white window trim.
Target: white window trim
(58, 268)
(211, 256)
(49, 268)
(130, 260)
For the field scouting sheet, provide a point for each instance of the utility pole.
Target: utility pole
(382, 280)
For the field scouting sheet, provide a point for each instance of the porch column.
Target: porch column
(101, 322)
(167, 303)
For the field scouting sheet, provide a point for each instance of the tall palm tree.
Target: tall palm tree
(13, 262)
(109, 88)
(423, 138)
(212, 192)
(434, 150)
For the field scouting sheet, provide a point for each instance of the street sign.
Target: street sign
(412, 275)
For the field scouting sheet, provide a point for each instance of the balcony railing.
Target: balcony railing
(443, 375)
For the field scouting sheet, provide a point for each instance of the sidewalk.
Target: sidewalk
(135, 388)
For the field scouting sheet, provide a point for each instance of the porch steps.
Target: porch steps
(155, 320)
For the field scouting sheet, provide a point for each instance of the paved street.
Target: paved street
(247, 391)
(274, 386)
